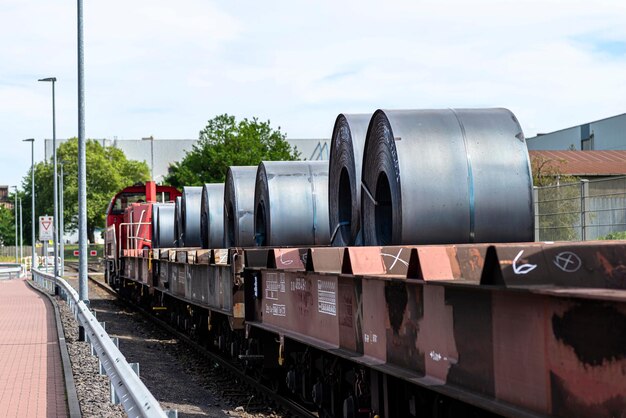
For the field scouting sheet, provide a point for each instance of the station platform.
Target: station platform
(32, 380)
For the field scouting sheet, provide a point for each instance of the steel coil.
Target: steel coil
(163, 226)
(178, 221)
(291, 203)
(344, 179)
(212, 216)
(239, 206)
(190, 213)
(446, 176)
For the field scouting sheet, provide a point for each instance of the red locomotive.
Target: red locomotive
(129, 217)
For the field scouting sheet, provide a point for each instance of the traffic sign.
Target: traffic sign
(92, 253)
(46, 228)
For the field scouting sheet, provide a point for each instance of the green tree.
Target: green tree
(7, 226)
(108, 171)
(225, 142)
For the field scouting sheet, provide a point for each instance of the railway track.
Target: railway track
(231, 386)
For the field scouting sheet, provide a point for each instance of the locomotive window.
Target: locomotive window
(124, 199)
(163, 196)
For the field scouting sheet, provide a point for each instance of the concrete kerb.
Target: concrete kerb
(73, 406)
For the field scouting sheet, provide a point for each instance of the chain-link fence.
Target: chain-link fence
(585, 210)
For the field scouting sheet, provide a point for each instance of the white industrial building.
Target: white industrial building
(160, 153)
(603, 134)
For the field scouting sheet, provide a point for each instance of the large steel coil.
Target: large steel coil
(344, 179)
(212, 216)
(190, 213)
(239, 206)
(178, 221)
(291, 203)
(446, 176)
(163, 226)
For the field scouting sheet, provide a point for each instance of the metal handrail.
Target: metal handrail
(132, 393)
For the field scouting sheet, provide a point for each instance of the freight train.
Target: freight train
(398, 280)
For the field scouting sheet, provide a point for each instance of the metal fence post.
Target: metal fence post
(536, 207)
(584, 194)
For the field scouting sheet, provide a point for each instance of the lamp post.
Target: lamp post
(32, 185)
(61, 222)
(54, 178)
(83, 291)
(15, 207)
(21, 234)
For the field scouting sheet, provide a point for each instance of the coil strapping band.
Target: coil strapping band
(339, 225)
(367, 192)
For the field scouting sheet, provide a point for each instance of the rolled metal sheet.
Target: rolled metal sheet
(178, 221)
(344, 179)
(239, 206)
(190, 206)
(446, 176)
(291, 203)
(212, 215)
(154, 226)
(163, 225)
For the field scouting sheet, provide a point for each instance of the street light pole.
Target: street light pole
(54, 179)
(32, 185)
(83, 291)
(16, 257)
(61, 222)
(21, 234)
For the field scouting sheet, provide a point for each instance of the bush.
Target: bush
(615, 235)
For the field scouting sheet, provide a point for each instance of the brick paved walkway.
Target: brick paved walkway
(31, 375)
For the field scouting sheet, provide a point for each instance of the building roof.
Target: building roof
(586, 163)
(540, 134)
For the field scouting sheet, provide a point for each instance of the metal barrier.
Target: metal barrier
(128, 388)
(10, 270)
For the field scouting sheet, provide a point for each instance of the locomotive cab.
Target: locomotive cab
(128, 218)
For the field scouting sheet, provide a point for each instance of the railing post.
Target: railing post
(81, 333)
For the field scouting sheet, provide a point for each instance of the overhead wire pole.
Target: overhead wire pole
(82, 166)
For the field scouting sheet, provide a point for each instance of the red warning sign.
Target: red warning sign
(93, 253)
(76, 252)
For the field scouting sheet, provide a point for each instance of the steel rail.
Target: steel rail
(130, 390)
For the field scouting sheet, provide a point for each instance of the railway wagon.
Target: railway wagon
(396, 331)
(450, 313)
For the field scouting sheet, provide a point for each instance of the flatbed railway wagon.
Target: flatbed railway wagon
(404, 316)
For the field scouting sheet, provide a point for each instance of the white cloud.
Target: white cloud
(164, 68)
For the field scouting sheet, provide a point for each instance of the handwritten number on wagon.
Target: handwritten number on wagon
(524, 268)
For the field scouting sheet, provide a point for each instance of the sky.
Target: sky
(164, 68)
